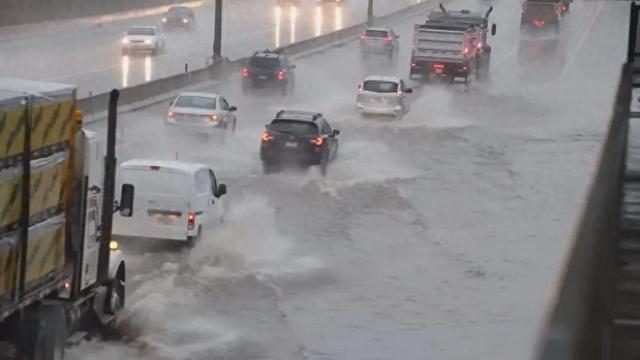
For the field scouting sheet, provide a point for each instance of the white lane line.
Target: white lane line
(582, 41)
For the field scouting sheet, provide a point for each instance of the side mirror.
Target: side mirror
(336, 132)
(233, 108)
(126, 200)
(408, 90)
(397, 36)
(494, 29)
(222, 190)
(266, 126)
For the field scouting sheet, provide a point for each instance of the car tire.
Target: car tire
(267, 168)
(192, 241)
(323, 167)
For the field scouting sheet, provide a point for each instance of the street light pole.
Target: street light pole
(217, 36)
(370, 13)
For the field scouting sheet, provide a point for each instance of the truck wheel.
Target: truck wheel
(42, 334)
(115, 297)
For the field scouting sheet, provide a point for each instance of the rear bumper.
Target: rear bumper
(383, 110)
(210, 128)
(266, 83)
(286, 157)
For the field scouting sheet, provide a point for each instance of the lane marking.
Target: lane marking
(582, 41)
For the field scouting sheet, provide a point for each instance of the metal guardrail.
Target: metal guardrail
(596, 310)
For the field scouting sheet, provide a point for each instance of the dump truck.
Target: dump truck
(61, 276)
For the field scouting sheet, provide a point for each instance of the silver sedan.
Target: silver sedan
(383, 95)
(201, 113)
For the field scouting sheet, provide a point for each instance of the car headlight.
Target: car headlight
(164, 19)
(148, 42)
(125, 41)
(113, 245)
(185, 20)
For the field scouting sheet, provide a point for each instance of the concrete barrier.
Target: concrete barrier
(160, 90)
(578, 323)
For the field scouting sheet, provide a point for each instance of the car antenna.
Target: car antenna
(486, 15)
(443, 9)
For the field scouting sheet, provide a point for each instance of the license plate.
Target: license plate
(262, 77)
(291, 144)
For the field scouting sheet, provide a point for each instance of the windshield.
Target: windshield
(198, 102)
(380, 86)
(264, 63)
(299, 128)
(178, 11)
(156, 181)
(376, 33)
(141, 31)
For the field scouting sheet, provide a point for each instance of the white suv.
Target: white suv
(143, 38)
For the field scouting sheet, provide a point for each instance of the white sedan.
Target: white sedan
(143, 38)
(201, 113)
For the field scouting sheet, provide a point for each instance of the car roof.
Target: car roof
(142, 27)
(382, 78)
(308, 116)
(268, 54)
(377, 29)
(181, 166)
(200, 94)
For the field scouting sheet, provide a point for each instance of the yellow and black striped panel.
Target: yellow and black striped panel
(11, 133)
(45, 249)
(50, 129)
(48, 177)
(10, 195)
(8, 264)
(51, 124)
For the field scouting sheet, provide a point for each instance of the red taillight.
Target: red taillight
(191, 220)
(317, 141)
(170, 114)
(364, 37)
(360, 90)
(438, 66)
(399, 93)
(414, 65)
(281, 75)
(245, 72)
(266, 137)
(538, 22)
(466, 50)
(388, 38)
(464, 68)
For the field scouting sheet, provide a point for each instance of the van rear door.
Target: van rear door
(162, 203)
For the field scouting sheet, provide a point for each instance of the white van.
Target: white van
(174, 200)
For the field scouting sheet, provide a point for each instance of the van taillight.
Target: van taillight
(191, 220)
(281, 75)
(245, 72)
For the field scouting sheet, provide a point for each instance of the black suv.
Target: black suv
(268, 69)
(179, 17)
(299, 137)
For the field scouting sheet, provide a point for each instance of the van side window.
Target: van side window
(202, 183)
(214, 182)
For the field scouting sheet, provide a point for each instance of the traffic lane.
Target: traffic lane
(445, 213)
(90, 57)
